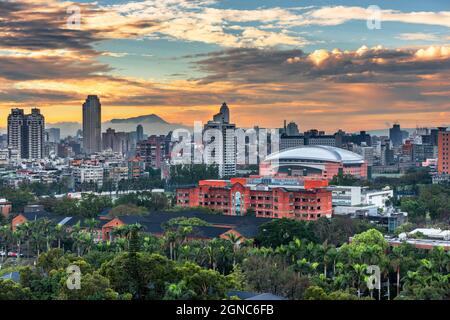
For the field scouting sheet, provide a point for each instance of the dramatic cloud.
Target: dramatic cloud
(363, 65)
(418, 36)
(340, 14)
(261, 66)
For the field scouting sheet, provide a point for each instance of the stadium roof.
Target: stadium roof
(318, 153)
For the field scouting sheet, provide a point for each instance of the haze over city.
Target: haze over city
(312, 62)
(196, 154)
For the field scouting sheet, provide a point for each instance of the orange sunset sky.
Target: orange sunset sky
(318, 65)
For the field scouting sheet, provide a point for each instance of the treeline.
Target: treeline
(91, 205)
(414, 177)
(190, 174)
(140, 266)
(432, 201)
(336, 231)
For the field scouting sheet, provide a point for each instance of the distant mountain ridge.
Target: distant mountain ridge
(152, 123)
(150, 118)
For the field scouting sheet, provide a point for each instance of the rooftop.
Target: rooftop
(317, 152)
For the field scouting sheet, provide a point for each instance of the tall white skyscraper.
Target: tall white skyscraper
(92, 127)
(223, 152)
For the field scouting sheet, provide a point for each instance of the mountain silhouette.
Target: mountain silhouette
(150, 118)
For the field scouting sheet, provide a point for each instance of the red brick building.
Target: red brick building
(276, 197)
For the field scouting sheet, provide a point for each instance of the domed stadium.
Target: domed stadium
(314, 160)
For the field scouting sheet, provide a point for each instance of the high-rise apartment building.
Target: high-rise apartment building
(92, 135)
(34, 135)
(16, 122)
(443, 145)
(152, 151)
(26, 133)
(221, 151)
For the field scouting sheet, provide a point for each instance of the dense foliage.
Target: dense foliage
(137, 265)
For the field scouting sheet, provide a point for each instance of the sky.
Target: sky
(351, 65)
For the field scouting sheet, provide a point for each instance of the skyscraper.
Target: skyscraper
(443, 151)
(26, 133)
(92, 135)
(224, 149)
(395, 135)
(16, 121)
(34, 135)
(139, 133)
(292, 129)
(224, 115)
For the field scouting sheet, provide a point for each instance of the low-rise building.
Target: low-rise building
(289, 197)
(5, 207)
(219, 226)
(89, 174)
(348, 196)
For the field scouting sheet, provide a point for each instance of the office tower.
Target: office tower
(26, 133)
(223, 152)
(16, 121)
(443, 160)
(139, 133)
(92, 136)
(395, 135)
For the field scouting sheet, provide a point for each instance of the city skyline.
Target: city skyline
(222, 150)
(181, 59)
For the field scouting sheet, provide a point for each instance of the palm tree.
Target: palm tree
(332, 255)
(27, 230)
(305, 267)
(7, 236)
(294, 250)
(18, 236)
(396, 259)
(49, 232)
(91, 225)
(60, 233)
(328, 254)
(235, 241)
(170, 239)
(412, 278)
(359, 271)
(440, 258)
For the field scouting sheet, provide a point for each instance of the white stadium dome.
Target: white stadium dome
(316, 153)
